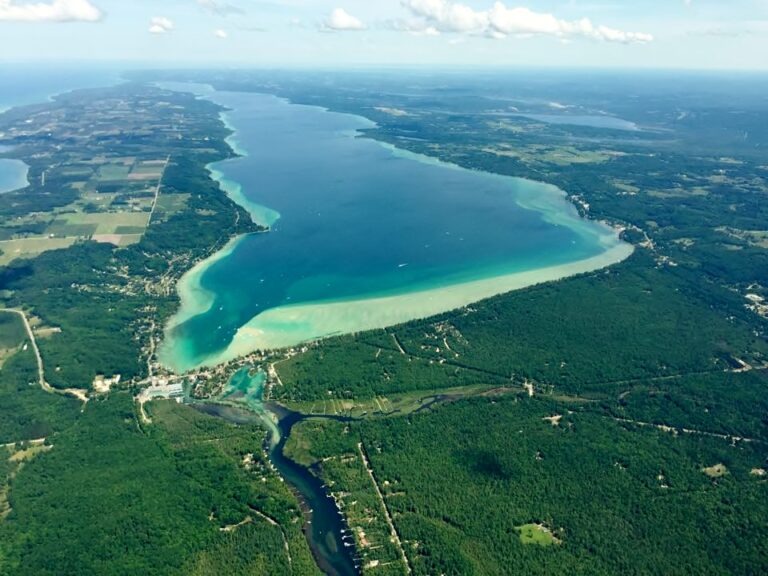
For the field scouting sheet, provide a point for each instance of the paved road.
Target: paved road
(40, 369)
(81, 395)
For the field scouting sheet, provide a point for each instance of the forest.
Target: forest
(626, 412)
(189, 495)
(618, 498)
(594, 336)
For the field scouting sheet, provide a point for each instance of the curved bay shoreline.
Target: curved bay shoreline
(289, 325)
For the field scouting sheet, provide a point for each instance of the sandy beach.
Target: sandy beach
(287, 326)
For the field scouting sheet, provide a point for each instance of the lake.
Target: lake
(588, 120)
(13, 175)
(362, 236)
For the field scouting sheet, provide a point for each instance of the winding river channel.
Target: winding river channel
(326, 530)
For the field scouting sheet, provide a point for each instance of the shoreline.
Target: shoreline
(194, 299)
(18, 180)
(261, 215)
(287, 326)
(113, 78)
(282, 327)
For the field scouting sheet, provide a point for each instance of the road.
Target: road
(395, 537)
(40, 368)
(81, 395)
(157, 190)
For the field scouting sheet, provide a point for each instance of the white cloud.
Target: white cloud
(160, 25)
(448, 16)
(221, 34)
(56, 11)
(500, 21)
(341, 20)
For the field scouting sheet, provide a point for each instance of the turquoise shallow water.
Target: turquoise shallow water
(354, 219)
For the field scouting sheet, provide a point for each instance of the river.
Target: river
(326, 530)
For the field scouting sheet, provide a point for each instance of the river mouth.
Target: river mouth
(325, 528)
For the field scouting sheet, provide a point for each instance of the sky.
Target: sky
(686, 34)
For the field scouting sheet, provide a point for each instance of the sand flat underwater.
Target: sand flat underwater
(362, 236)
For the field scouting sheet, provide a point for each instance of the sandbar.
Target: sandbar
(287, 326)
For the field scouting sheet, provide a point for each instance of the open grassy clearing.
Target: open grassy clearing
(107, 222)
(26, 453)
(12, 459)
(12, 334)
(716, 471)
(170, 204)
(558, 155)
(757, 238)
(118, 239)
(110, 172)
(679, 192)
(536, 534)
(62, 228)
(400, 404)
(30, 247)
(147, 171)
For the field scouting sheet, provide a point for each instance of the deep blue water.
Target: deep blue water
(358, 219)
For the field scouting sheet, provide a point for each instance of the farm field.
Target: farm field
(110, 200)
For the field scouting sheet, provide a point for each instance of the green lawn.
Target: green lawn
(536, 534)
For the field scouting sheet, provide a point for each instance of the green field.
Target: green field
(111, 172)
(119, 228)
(62, 227)
(108, 222)
(394, 404)
(170, 204)
(28, 247)
(147, 171)
(536, 534)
